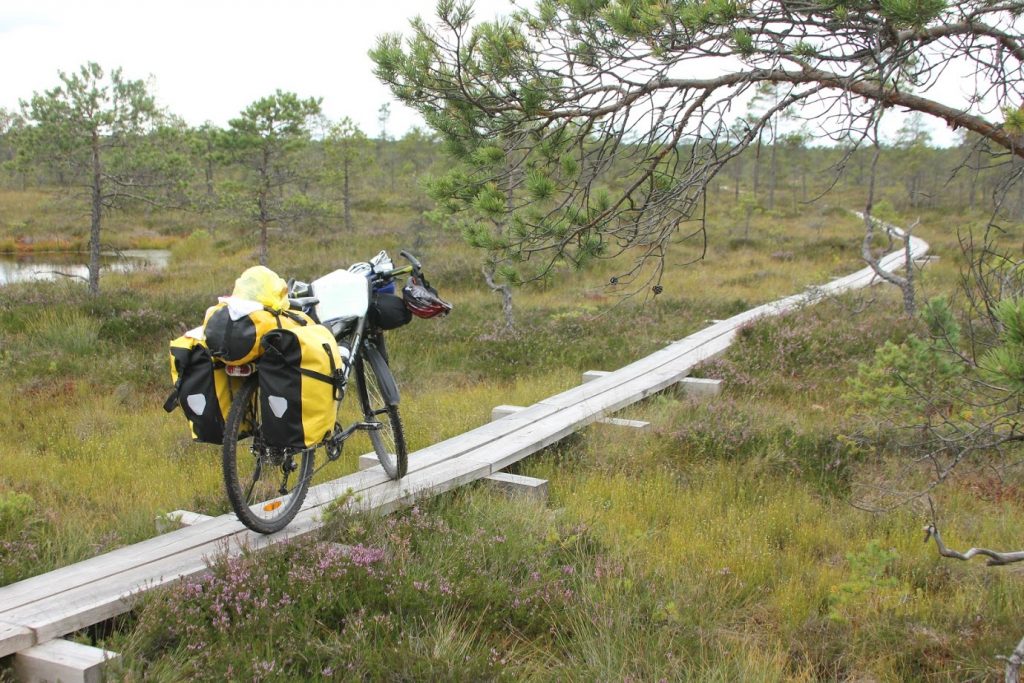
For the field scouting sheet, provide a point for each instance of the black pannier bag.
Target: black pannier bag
(388, 311)
(202, 389)
(237, 341)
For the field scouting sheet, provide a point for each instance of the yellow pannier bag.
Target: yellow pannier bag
(202, 388)
(300, 375)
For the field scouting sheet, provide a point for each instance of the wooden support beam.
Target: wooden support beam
(701, 388)
(516, 485)
(178, 519)
(62, 660)
(692, 386)
(368, 460)
(504, 411)
(619, 422)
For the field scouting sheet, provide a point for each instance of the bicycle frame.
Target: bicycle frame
(356, 339)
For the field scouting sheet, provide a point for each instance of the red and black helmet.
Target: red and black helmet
(422, 299)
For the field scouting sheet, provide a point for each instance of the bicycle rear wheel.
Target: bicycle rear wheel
(265, 484)
(380, 407)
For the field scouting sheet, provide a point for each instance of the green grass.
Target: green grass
(720, 546)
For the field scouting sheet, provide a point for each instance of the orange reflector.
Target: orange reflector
(270, 507)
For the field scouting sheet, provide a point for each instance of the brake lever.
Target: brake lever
(417, 267)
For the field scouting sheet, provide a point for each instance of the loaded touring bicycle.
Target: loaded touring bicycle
(266, 381)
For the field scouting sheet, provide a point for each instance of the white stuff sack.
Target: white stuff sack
(342, 294)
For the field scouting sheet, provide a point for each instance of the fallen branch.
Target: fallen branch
(995, 558)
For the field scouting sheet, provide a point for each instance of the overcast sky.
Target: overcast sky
(210, 59)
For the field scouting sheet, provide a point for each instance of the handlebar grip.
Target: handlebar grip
(413, 260)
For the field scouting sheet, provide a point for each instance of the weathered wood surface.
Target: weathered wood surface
(62, 660)
(41, 608)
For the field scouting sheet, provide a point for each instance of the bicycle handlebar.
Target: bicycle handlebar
(415, 267)
(388, 274)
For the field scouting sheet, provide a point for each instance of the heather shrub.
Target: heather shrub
(413, 596)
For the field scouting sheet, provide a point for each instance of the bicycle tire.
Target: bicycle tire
(388, 440)
(256, 476)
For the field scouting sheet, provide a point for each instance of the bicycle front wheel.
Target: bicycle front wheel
(380, 408)
(265, 484)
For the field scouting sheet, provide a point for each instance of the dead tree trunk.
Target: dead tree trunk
(506, 296)
(906, 281)
(97, 214)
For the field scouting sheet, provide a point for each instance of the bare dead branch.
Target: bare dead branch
(996, 558)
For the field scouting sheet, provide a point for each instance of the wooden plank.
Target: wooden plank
(350, 485)
(591, 375)
(62, 660)
(122, 559)
(516, 419)
(548, 430)
(517, 485)
(422, 459)
(533, 438)
(70, 610)
(16, 637)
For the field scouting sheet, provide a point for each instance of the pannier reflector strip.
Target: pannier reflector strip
(197, 402)
(278, 404)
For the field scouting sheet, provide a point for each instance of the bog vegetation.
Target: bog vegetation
(729, 543)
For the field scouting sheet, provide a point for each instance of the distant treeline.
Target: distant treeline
(337, 172)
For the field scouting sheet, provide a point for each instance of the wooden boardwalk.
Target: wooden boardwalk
(51, 605)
